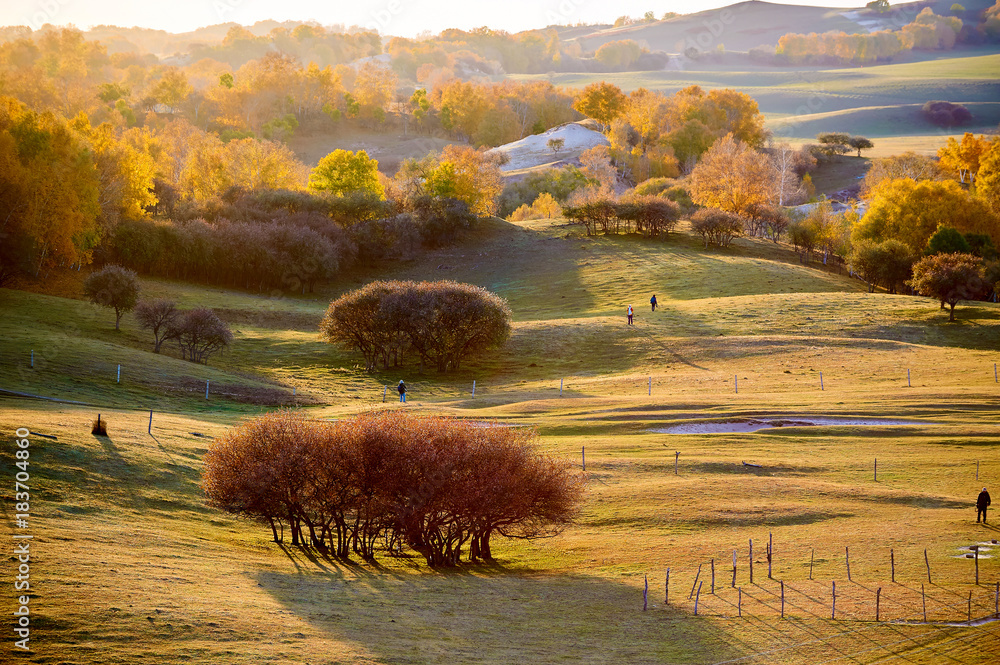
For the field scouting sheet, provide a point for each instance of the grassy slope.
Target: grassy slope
(881, 102)
(132, 567)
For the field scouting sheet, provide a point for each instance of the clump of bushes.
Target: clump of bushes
(442, 323)
(946, 114)
(716, 227)
(650, 216)
(381, 481)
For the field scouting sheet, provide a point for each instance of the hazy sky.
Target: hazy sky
(395, 17)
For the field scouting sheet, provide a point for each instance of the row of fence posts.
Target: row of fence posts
(649, 388)
(696, 585)
(736, 381)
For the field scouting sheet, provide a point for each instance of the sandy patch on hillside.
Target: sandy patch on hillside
(534, 150)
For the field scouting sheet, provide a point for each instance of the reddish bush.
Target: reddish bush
(435, 485)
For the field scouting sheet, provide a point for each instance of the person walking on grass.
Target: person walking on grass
(652, 302)
(982, 503)
(401, 388)
(630, 314)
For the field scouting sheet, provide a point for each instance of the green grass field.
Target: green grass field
(130, 566)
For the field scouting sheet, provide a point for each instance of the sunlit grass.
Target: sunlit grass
(133, 566)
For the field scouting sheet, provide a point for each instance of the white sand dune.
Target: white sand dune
(534, 150)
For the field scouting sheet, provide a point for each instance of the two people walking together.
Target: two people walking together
(628, 311)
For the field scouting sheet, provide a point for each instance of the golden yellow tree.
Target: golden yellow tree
(963, 157)
(469, 175)
(732, 176)
(911, 211)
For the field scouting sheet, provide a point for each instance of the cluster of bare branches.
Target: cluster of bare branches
(199, 332)
(650, 216)
(390, 479)
(442, 322)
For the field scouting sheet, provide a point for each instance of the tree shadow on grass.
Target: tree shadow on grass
(489, 614)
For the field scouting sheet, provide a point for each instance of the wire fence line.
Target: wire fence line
(893, 588)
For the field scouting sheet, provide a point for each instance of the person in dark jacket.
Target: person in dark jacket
(401, 388)
(982, 503)
(652, 301)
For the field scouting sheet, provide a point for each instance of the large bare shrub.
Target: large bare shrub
(436, 485)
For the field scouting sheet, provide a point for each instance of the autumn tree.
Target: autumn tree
(375, 89)
(125, 172)
(834, 143)
(620, 54)
(912, 211)
(860, 143)
(469, 175)
(732, 176)
(157, 316)
(950, 278)
(115, 287)
(988, 182)
(601, 101)
(964, 157)
(888, 263)
(200, 333)
(907, 165)
(343, 171)
(48, 191)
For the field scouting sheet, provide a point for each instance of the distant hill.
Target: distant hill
(745, 25)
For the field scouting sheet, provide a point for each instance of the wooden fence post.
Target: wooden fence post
(713, 576)
(666, 589)
(975, 549)
(833, 614)
(847, 554)
(878, 601)
(677, 456)
(923, 598)
(734, 569)
(695, 582)
(782, 599)
(645, 593)
(970, 606)
(892, 564)
(928, 563)
(770, 550)
(751, 561)
(739, 602)
(698, 595)
(812, 556)
(150, 430)
(583, 456)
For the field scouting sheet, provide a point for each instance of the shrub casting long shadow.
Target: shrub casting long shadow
(499, 618)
